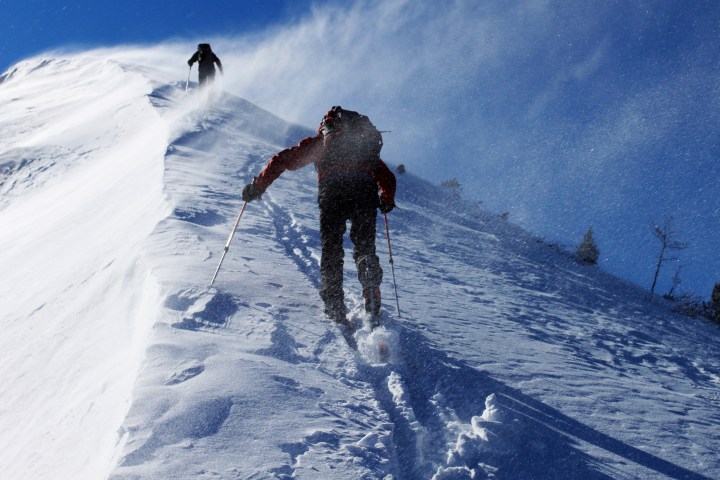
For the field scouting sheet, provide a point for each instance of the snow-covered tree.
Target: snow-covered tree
(588, 252)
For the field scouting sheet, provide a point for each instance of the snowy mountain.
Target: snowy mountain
(508, 359)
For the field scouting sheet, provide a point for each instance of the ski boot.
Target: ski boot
(338, 314)
(372, 305)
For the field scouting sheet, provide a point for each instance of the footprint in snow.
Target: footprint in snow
(202, 309)
(185, 375)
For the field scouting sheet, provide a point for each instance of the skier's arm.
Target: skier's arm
(385, 179)
(193, 59)
(219, 64)
(302, 154)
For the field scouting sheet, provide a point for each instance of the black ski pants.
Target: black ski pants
(206, 76)
(333, 224)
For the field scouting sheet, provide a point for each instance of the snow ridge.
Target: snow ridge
(81, 190)
(428, 412)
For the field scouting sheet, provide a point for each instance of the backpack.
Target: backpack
(204, 52)
(349, 138)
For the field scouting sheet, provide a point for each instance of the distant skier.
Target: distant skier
(351, 175)
(206, 59)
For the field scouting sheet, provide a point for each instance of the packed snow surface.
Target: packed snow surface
(507, 358)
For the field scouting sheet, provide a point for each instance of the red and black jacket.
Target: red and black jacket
(314, 150)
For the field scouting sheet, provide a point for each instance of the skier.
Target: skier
(206, 59)
(351, 175)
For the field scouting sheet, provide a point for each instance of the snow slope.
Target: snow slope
(82, 169)
(508, 359)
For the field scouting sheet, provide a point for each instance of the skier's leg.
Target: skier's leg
(362, 234)
(332, 229)
(210, 77)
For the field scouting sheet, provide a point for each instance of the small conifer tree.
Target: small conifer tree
(715, 303)
(588, 252)
(454, 186)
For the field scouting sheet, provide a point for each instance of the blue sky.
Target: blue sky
(565, 114)
(32, 26)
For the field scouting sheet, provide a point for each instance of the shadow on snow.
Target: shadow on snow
(546, 440)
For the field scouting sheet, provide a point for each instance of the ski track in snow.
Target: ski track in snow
(216, 312)
(433, 429)
(384, 450)
(509, 360)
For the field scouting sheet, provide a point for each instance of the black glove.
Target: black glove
(190, 62)
(251, 192)
(386, 207)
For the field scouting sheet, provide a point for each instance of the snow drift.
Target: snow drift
(508, 359)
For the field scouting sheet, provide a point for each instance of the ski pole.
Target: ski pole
(392, 264)
(188, 80)
(227, 245)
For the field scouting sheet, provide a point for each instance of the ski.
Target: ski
(366, 334)
(383, 346)
(348, 332)
(384, 351)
